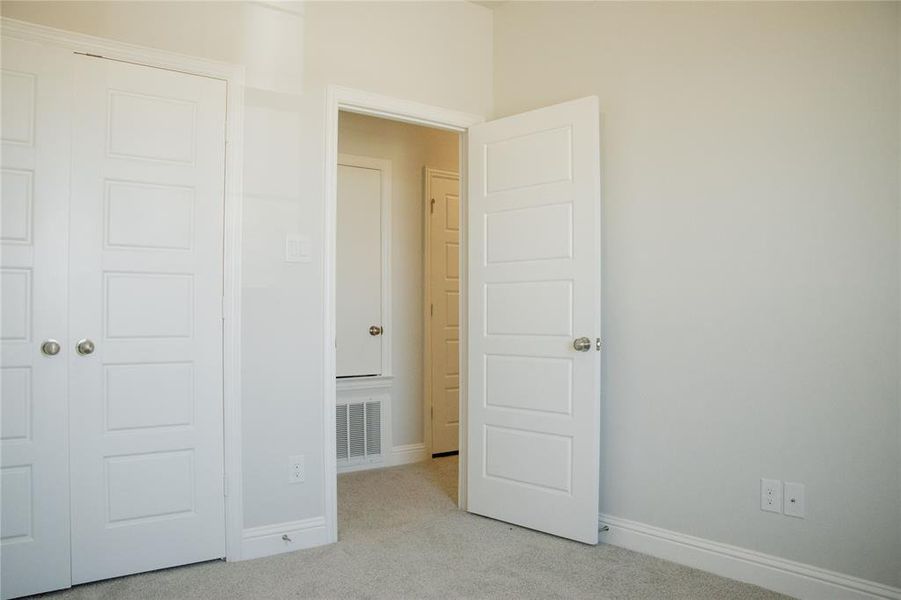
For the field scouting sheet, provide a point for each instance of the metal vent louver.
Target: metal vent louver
(358, 434)
(341, 421)
(373, 428)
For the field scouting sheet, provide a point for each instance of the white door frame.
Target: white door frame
(233, 76)
(428, 401)
(341, 98)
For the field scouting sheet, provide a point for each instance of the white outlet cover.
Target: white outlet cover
(297, 469)
(771, 495)
(794, 499)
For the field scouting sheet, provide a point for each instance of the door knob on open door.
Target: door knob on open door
(375, 330)
(582, 344)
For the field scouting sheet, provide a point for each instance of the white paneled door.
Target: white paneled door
(534, 319)
(145, 306)
(111, 283)
(34, 477)
(444, 335)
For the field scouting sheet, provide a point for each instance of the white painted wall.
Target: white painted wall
(409, 148)
(751, 248)
(437, 53)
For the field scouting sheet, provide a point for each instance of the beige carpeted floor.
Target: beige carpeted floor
(401, 536)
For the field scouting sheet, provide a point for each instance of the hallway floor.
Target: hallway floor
(401, 536)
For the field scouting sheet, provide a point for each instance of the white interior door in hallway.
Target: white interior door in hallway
(444, 312)
(535, 318)
(136, 437)
(363, 190)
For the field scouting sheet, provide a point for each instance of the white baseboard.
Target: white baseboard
(267, 540)
(399, 455)
(406, 454)
(362, 466)
(764, 570)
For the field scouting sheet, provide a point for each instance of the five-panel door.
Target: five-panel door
(534, 319)
(119, 260)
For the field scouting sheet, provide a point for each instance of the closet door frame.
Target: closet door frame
(233, 76)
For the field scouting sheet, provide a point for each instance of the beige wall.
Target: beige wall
(751, 260)
(409, 148)
(433, 52)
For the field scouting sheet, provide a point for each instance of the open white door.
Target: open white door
(534, 319)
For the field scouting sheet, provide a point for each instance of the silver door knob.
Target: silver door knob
(50, 347)
(85, 347)
(582, 344)
(375, 330)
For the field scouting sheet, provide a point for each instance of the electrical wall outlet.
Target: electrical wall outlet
(771, 495)
(794, 499)
(297, 469)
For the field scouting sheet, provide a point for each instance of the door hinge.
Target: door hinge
(225, 485)
(432, 206)
(431, 310)
(222, 308)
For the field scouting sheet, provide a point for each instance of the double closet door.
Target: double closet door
(111, 333)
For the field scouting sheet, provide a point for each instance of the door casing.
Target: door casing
(233, 76)
(340, 98)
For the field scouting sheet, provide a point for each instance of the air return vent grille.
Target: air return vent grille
(359, 431)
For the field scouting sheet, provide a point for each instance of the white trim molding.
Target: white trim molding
(377, 382)
(398, 455)
(233, 76)
(795, 579)
(283, 537)
(406, 454)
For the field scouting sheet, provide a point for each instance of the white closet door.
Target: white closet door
(34, 478)
(358, 284)
(534, 319)
(146, 289)
(444, 279)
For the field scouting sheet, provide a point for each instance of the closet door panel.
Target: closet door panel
(146, 290)
(34, 478)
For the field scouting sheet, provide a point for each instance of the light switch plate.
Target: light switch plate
(771, 495)
(794, 499)
(298, 248)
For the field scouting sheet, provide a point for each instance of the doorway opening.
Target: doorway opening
(529, 370)
(397, 290)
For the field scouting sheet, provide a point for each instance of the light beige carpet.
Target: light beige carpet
(401, 536)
